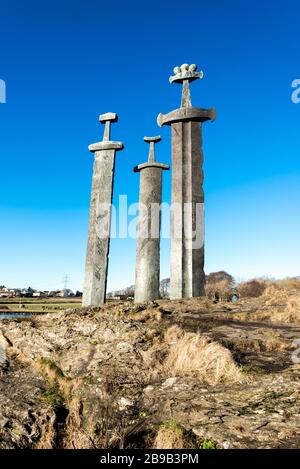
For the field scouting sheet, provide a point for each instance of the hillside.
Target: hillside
(188, 373)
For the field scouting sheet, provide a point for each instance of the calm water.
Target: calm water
(17, 315)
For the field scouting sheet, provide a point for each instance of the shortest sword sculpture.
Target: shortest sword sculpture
(148, 239)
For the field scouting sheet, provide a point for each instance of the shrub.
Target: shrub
(251, 289)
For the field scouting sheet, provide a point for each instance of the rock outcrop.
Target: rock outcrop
(101, 377)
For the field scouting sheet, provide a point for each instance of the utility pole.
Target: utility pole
(66, 281)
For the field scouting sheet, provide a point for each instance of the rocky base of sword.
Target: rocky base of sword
(188, 285)
(174, 295)
(186, 114)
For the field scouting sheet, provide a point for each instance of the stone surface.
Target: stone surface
(187, 255)
(25, 418)
(96, 268)
(187, 276)
(148, 236)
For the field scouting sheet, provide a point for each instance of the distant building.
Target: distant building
(4, 292)
(38, 294)
(65, 293)
(30, 292)
(9, 292)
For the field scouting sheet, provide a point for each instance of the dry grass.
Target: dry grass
(75, 437)
(291, 313)
(48, 434)
(267, 340)
(171, 435)
(147, 315)
(194, 354)
(277, 297)
(274, 295)
(280, 303)
(278, 307)
(289, 283)
(272, 341)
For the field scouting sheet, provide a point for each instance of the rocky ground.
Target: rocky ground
(113, 376)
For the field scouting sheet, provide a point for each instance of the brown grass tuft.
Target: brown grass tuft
(270, 341)
(279, 306)
(274, 295)
(289, 283)
(75, 437)
(47, 436)
(173, 334)
(171, 435)
(291, 313)
(147, 315)
(195, 354)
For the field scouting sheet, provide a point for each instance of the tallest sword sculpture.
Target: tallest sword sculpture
(187, 278)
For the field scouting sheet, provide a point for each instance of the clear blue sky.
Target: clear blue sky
(66, 62)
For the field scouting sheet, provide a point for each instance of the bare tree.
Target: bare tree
(164, 288)
(219, 286)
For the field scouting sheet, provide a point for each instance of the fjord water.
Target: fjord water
(14, 315)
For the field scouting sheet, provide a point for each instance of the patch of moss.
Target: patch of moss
(208, 444)
(250, 369)
(51, 365)
(53, 396)
(90, 380)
